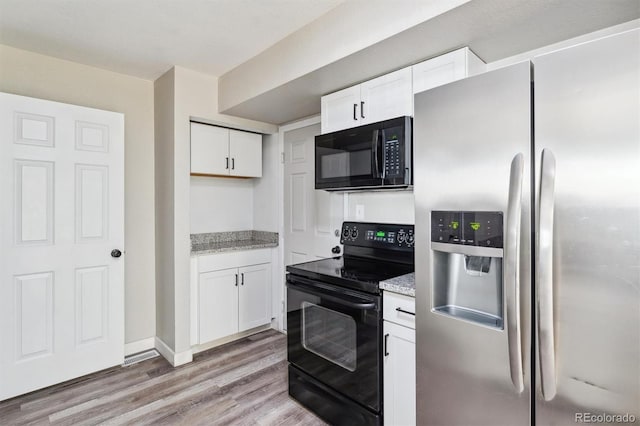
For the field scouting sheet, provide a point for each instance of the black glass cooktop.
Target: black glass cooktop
(353, 272)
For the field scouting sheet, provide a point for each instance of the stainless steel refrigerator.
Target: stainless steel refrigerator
(527, 190)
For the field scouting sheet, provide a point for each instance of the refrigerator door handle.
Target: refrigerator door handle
(512, 271)
(544, 276)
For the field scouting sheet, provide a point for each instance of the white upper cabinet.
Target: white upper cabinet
(386, 97)
(209, 149)
(340, 110)
(382, 98)
(245, 152)
(219, 151)
(446, 68)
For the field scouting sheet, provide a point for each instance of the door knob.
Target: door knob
(335, 250)
(116, 253)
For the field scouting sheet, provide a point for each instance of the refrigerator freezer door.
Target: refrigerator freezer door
(587, 117)
(468, 134)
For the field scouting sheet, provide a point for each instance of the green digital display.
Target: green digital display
(455, 224)
(380, 234)
(474, 225)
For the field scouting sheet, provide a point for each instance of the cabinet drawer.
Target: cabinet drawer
(395, 308)
(233, 259)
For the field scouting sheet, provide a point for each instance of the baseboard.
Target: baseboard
(209, 345)
(174, 358)
(139, 346)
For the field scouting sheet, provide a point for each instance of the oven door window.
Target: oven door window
(330, 334)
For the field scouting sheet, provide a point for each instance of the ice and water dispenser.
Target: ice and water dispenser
(467, 265)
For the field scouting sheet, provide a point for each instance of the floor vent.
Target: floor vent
(142, 356)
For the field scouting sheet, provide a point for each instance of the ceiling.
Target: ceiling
(145, 38)
(275, 58)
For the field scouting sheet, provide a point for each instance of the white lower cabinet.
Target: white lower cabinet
(399, 364)
(218, 304)
(254, 301)
(230, 300)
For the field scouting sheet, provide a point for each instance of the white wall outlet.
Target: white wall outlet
(359, 211)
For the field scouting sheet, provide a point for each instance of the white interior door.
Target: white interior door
(62, 213)
(312, 218)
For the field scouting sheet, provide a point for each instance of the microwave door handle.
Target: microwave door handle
(374, 148)
(383, 146)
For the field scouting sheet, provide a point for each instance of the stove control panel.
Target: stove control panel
(378, 235)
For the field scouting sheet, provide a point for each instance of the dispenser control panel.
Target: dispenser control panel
(483, 229)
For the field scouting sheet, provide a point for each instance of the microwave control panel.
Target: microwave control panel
(392, 158)
(483, 229)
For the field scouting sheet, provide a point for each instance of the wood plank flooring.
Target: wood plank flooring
(240, 383)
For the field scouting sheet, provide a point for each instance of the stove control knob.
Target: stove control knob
(354, 233)
(410, 239)
(401, 237)
(345, 233)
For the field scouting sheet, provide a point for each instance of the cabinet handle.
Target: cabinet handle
(355, 117)
(233, 164)
(405, 312)
(386, 344)
(227, 166)
(362, 109)
(242, 282)
(236, 280)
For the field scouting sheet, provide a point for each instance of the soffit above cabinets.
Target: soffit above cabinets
(493, 29)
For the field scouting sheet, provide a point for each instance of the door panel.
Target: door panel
(218, 304)
(312, 216)
(467, 134)
(34, 202)
(209, 150)
(34, 314)
(341, 110)
(254, 296)
(245, 151)
(61, 293)
(386, 97)
(587, 113)
(399, 366)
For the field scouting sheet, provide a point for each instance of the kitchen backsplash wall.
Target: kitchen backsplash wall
(221, 204)
(381, 206)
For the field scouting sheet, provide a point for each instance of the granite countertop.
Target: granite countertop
(221, 242)
(404, 284)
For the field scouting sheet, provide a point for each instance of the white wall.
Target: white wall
(30, 74)
(194, 95)
(382, 206)
(164, 92)
(266, 189)
(221, 204)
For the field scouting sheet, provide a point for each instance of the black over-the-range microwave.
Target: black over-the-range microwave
(373, 156)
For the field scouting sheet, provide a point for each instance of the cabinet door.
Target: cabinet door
(445, 69)
(340, 110)
(218, 304)
(386, 97)
(245, 152)
(399, 375)
(255, 296)
(209, 149)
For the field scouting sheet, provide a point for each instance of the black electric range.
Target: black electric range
(334, 322)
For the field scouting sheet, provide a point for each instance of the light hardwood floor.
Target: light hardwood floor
(240, 383)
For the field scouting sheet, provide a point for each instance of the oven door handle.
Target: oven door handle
(344, 300)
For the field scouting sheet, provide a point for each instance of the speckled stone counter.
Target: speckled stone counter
(220, 242)
(404, 284)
